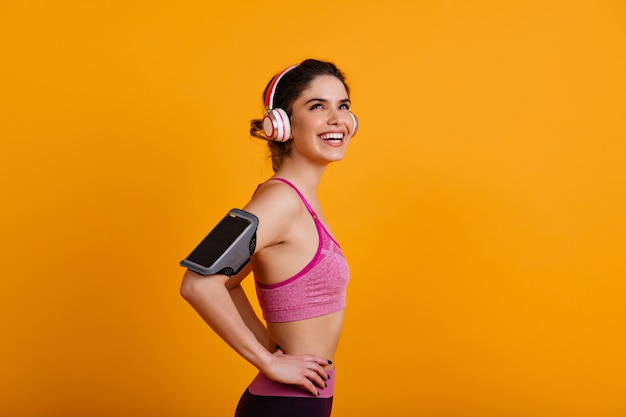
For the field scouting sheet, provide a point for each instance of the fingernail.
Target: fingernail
(328, 376)
(330, 362)
(325, 386)
(318, 393)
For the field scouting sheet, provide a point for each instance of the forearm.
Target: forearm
(211, 299)
(249, 316)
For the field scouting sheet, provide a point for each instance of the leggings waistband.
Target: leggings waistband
(262, 385)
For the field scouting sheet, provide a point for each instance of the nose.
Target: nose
(347, 119)
(336, 118)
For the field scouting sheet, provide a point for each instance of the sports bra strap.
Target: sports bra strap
(306, 203)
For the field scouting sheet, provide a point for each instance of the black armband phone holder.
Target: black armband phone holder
(227, 248)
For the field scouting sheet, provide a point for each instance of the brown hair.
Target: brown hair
(291, 85)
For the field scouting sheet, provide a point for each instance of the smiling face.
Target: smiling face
(321, 122)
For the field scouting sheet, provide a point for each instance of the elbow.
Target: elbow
(189, 286)
(195, 287)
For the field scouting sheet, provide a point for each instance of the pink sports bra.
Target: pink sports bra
(318, 289)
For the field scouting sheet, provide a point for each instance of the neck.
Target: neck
(305, 176)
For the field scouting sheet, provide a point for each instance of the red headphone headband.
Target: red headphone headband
(269, 98)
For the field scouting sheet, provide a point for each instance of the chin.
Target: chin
(336, 158)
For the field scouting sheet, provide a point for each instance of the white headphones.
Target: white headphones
(276, 124)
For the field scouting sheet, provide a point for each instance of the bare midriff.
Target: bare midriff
(317, 336)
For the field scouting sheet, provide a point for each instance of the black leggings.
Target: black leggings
(251, 405)
(265, 397)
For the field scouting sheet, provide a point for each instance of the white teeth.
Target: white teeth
(332, 136)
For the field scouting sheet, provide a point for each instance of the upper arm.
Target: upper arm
(194, 283)
(276, 206)
(234, 280)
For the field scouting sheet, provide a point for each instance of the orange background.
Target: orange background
(481, 205)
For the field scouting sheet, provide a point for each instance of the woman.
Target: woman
(300, 273)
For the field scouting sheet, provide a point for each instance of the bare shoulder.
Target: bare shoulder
(274, 198)
(276, 205)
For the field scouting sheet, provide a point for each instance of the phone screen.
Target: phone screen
(218, 240)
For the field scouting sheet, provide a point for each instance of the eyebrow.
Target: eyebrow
(323, 100)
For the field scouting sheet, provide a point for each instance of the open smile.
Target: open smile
(335, 138)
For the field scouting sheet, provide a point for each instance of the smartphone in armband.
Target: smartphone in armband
(228, 246)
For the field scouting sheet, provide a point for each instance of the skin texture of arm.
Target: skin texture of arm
(247, 313)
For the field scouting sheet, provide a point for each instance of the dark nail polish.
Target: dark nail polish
(325, 386)
(330, 362)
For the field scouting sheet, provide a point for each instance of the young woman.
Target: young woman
(299, 270)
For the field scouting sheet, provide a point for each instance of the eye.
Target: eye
(345, 106)
(316, 106)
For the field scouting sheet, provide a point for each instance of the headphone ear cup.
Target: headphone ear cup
(276, 125)
(356, 124)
